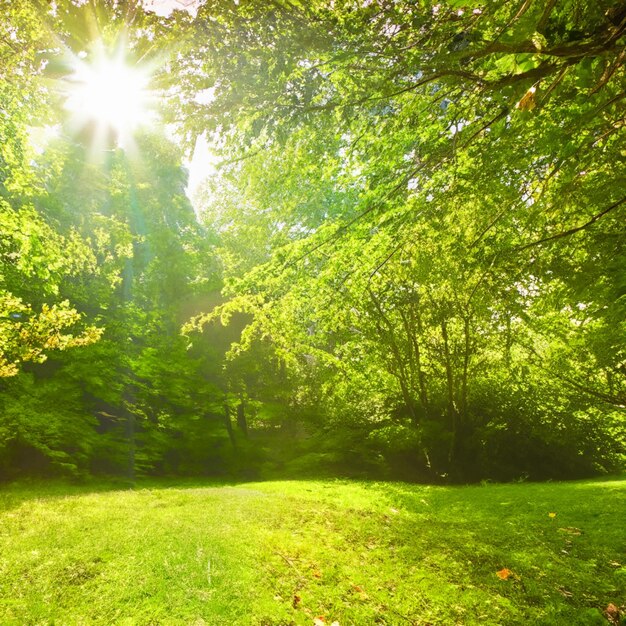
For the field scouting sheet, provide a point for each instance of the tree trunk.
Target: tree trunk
(421, 377)
(509, 342)
(241, 417)
(452, 413)
(401, 375)
(130, 438)
(229, 426)
(128, 400)
(466, 362)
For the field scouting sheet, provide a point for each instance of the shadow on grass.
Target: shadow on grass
(407, 494)
(14, 494)
(348, 545)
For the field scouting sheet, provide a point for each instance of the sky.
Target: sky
(202, 161)
(200, 166)
(165, 7)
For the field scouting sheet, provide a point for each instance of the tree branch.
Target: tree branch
(572, 231)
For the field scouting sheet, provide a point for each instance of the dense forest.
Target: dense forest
(406, 257)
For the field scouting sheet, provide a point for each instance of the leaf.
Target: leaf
(504, 573)
(570, 530)
(296, 600)
(358, 589)
(551, 515)
(539, 41)
(527, 103)
(612, 613)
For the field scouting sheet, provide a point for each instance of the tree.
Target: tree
(423, 188)
(33, 255)
(410, 258)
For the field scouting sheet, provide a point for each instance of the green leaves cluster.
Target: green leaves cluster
(422, 203)
(416, 233)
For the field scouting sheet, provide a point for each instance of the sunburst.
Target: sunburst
(111, 95)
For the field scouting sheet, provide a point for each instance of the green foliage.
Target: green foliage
(409, 261)
(34, 256)
(44, 429)
(420, 206)
(95, 248)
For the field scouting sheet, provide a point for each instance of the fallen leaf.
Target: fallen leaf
(316, 574)
(296, 600)
(612, 613)
(358, 589)
(565, 593)
(504, 573)
(614, 564)
(571, 530)
(551, 515)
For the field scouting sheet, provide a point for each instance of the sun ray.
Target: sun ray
(111, 95)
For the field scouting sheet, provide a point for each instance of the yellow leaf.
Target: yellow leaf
(612, 613)
(504, 573)
(527, 103)
(552, 515)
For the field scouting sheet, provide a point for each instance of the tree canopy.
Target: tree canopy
(409, 260)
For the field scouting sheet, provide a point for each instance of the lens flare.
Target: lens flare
(110, 93)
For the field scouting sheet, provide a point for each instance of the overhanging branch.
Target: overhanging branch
(573, 231)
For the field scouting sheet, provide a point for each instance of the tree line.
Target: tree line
(408, 263)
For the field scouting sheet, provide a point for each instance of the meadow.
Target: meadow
(313, 553)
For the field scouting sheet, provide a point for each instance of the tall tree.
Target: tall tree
(425, 187)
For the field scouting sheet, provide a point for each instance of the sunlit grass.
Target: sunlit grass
(288, 552)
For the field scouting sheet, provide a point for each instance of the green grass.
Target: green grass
(289, 552)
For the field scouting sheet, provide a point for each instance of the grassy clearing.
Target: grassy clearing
(284, 553)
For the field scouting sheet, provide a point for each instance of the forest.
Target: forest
(312, 312)
(403, 255)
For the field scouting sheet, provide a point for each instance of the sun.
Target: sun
(110, 93)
